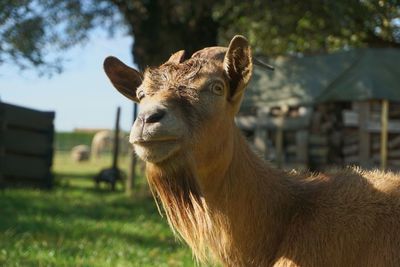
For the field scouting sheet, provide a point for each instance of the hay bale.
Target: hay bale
(80, 153)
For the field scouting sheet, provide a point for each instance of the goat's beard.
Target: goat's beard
(174, 184)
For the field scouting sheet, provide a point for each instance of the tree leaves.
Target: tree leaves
(31, 31)
(288, 26)
(33, 34)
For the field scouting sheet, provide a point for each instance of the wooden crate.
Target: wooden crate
(26, 146)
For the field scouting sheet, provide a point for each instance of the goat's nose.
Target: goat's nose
(154, 116)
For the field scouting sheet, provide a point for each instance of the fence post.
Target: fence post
(130, 181)
(384, 133)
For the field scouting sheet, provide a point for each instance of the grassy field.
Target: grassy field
(77, 225)
(66, 140)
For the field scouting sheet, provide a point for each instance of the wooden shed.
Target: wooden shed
(26, 146)
(298, 116)
(368, 93)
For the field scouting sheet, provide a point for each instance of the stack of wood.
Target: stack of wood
(333, 135)
(350, 149)
(394, 152)
(349, 133)
(279, 134)
(325, 138)
(393, 144)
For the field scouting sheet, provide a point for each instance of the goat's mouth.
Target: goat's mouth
(152, 141)
(156, 150)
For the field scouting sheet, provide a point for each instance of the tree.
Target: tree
(289, 26)
(161, 27)
(29, 29)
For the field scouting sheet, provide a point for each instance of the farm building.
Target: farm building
(26, 146)
(327, 110)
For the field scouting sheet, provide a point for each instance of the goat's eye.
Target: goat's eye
(217, 88)
(140, 95)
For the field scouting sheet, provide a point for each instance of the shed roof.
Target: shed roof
(375, 74)
(342, 76)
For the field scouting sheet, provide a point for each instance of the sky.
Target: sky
(82, 96)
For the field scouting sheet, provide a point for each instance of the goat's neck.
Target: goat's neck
(233, 170)
(224, 200)
(247, 197)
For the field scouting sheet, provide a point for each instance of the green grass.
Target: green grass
(77, 225)
(67, 140)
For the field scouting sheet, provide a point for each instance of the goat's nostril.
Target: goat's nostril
(155, 117)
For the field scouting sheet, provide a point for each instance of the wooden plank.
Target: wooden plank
(350, 150)
(318, 140)
(15, 116)
(260, 140)
(246, 122)
(364, 149)
(351, 160)
(394, 142)
(350, 138)
(291, 149)
(302, 147)
(394, 153)
(272, 123)
(26, 142)
(279, 142)
(394, 162)
(318, 160)
(384, 133)
(355, 106)
(24, 166)
(376, 145)
(394, 110)
(350, 118)
(288, 124)
(336, 138)
(376, 157)
(319, 151)
(392, 127)
(373, 124)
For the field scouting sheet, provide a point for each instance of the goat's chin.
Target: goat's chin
(157, 152)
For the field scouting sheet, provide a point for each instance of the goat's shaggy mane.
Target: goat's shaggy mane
(175, 186)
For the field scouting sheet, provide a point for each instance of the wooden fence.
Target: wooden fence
(26, 146)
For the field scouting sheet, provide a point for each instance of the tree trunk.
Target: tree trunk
(162, 27)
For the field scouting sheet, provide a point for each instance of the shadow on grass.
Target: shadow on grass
(94, 205)
(75, 210)
(64, 180)
(86, 175)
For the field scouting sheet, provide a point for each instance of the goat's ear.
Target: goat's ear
(124, 78)
(177, 57)
(238, 66)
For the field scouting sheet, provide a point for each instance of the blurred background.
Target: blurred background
(72, 192)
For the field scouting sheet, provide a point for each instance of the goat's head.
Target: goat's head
(185, 104)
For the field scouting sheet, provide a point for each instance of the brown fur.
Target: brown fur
(224, 200)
